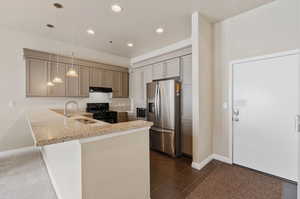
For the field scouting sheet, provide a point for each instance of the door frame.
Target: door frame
(230, 91)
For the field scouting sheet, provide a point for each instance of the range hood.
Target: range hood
(100, 90)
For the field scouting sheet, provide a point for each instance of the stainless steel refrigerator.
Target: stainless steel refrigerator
(163, 109)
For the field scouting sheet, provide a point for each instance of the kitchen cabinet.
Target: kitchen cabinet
(158, 71)
(42, 68)
(117, 84)
(57, 70)
(166, 69)
(122, 117)
(138, 87)
(36, 78)
(147, 79)
(84, 81)
(72, 83)
(172, 68)
(96, 77)
(120, 84)
(107, 79)
(125, 84)
(141, 77)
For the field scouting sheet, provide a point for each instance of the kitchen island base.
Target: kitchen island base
(114, 166)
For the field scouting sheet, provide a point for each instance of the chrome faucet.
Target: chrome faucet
(66, 107)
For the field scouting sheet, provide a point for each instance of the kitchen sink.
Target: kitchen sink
(85, 121)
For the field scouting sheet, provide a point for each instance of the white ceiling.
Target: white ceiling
(136, 24)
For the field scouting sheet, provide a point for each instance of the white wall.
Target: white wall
(268, 29)
(14, 131)
(202, 42)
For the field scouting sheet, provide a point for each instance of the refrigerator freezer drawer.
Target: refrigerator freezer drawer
(163, 141)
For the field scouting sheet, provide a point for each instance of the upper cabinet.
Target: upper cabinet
(120, 84)
(117, 84)
(84, 81)
(166, 69)
(36, 78)
(57, 70)
(125, 84)
(96, 75)
(158, 71)
(72, 83)
(42, 68)
(107, 79)
(172, 68)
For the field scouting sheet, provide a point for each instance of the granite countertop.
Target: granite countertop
(52, 127)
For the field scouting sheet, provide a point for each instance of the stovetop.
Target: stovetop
(101, 112)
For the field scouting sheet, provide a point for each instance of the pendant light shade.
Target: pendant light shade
(72, 72)
(50, 84)
(57, 79)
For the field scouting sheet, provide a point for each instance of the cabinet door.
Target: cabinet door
(84, 81)
(59, 89)
(186, 69)
(96, 75)
(93, 77)
(107, 78)
(172, 68)
(117, 84)
(125, 85)
(147, 79)
(36, 78)
(158, 71)
(72, 83)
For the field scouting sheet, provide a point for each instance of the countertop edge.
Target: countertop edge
(111, 135)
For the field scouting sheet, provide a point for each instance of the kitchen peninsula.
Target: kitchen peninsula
(89, 159)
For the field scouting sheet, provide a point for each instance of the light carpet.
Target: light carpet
(23, 175)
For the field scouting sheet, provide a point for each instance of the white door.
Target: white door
(265, 103)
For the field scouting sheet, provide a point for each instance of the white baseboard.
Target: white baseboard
(202, 164)
(221, 158)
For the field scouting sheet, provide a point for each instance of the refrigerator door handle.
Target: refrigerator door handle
(158, 102)
(155, 102)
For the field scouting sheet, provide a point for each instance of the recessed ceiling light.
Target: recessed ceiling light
(116, 8)
(159, 30)
(50, 25)
(90, 32)
(58, 5)
(130, 44)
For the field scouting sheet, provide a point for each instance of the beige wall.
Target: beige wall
(117, 167)
(202, 41)
(268, 29)
(14, 131)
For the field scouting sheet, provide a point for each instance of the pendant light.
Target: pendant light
(72, 72)
(57, 79)
(49, 83)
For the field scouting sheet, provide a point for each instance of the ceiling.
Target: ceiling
(136, 23)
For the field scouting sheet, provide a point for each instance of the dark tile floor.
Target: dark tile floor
(175, 179)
